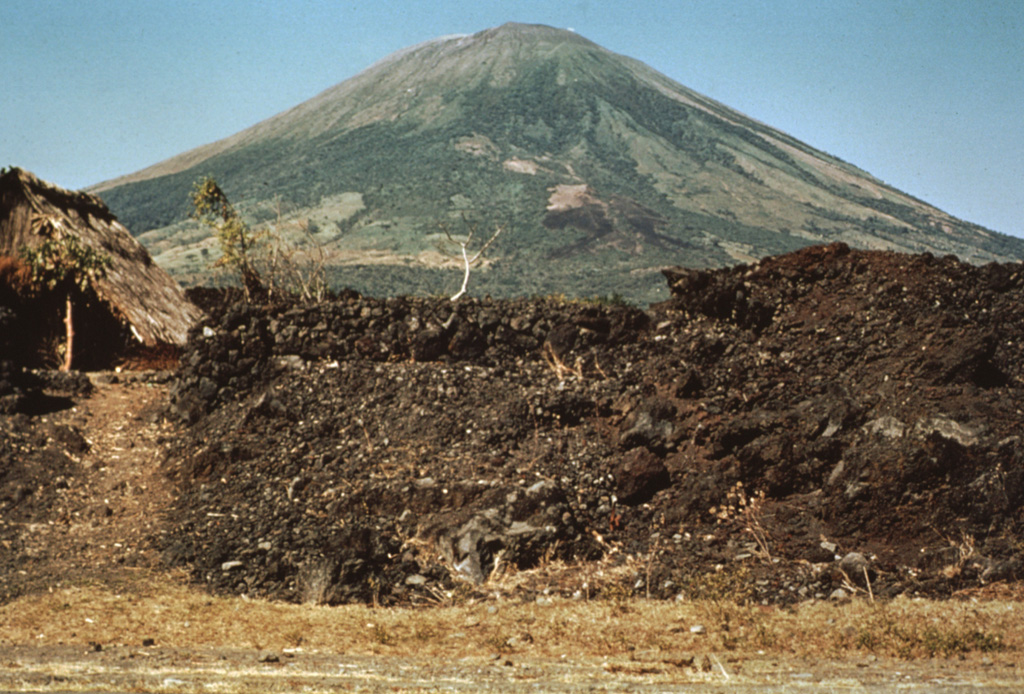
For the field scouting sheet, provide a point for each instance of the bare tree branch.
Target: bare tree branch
(468, 261)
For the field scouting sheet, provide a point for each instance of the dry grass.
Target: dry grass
(180, 617)
(203, 643)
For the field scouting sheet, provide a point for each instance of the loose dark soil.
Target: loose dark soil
(824, 421)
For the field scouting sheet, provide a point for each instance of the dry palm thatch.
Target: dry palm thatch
(137, 292)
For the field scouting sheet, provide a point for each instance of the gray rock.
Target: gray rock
(472, 548)
(831, 429)
(854, 564)
(290, 361)
(1001, 570)
(207, 388)
(947, 428)
(648, 431)
(889, 427)
(854, 490)
(836, 474)
(542, 488)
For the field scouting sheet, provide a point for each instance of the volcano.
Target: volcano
(600, 170)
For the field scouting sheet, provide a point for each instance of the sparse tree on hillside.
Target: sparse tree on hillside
(63, 263)
(238, 243)
(287, 264)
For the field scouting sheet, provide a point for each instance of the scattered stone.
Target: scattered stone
(639, 475)
(889, 427)
(854, 564)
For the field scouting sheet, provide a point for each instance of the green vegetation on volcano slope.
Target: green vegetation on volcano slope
(490, 126)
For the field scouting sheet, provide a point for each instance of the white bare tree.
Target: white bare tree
(468, 260)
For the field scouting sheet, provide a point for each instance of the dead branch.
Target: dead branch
(466, 259)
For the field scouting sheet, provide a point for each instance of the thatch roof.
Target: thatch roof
(139, 293)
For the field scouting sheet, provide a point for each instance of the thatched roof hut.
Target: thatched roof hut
(142, 296)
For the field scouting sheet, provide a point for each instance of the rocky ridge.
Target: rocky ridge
(816, 424)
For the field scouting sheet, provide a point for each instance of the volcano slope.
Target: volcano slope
(820, 421)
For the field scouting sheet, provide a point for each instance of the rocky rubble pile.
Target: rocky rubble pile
(17, 388)
(800, 427)
(37, 456)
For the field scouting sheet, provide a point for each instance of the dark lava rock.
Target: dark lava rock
(765, 418)
(863, 397)
(639, 474)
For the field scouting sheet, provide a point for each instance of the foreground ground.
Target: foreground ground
(147, 635)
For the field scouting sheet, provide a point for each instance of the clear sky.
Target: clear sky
(927, 95)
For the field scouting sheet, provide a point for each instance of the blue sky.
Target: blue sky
(927, 95)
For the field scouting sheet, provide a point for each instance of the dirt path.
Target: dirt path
(97, 529)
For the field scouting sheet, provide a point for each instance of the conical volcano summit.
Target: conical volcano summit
(600, 170)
